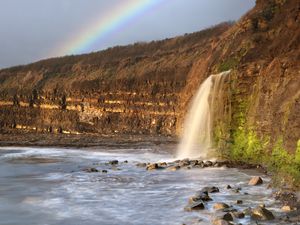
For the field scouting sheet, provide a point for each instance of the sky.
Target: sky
(31, 30)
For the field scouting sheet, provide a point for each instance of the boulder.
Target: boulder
(220, 206)
(104, 171)
(255, 181)
(261, 213)
(195, 206)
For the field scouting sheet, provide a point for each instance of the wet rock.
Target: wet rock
(208, 164)
(220, 206)
(125, 161)
(255, 181)
(104, 171)
(141, 164)
(223, 216)
(212, 189)
(163, 164)
(238, 215)
(239, 202)
(195, 206)
(173, 168)
(223, 163)
(228, 187)
(260, 213)
(287, 208)
(153, 166)
(184, 163)
(91, 170)
(200, 196)
(194, 162)
(113, 162)
(236, 190)
(216, 164)
(247, 211)
(220, 222)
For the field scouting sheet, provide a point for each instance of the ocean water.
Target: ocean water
(46, 186)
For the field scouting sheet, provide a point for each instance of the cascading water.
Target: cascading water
(197, 133)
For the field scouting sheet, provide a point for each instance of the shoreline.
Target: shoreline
(285, 195)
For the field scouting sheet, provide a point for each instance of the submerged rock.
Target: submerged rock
(223, 216)
(141, 164)
(173, 168)
(261, 213)
(91, 170)
(220, 222)
(212, 189)
(255, 181)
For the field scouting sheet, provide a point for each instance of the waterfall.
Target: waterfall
(197, 134)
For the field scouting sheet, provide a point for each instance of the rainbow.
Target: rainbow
(105, 25)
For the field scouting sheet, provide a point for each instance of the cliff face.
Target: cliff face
(146, 88)
(263, 52)
(131, 89)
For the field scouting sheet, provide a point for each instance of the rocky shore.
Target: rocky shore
(225, 213)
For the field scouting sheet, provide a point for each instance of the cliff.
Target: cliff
(131, 89)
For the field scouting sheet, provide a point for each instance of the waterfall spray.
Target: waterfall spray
(197, 133)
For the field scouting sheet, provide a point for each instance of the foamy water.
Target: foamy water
(60, 192)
